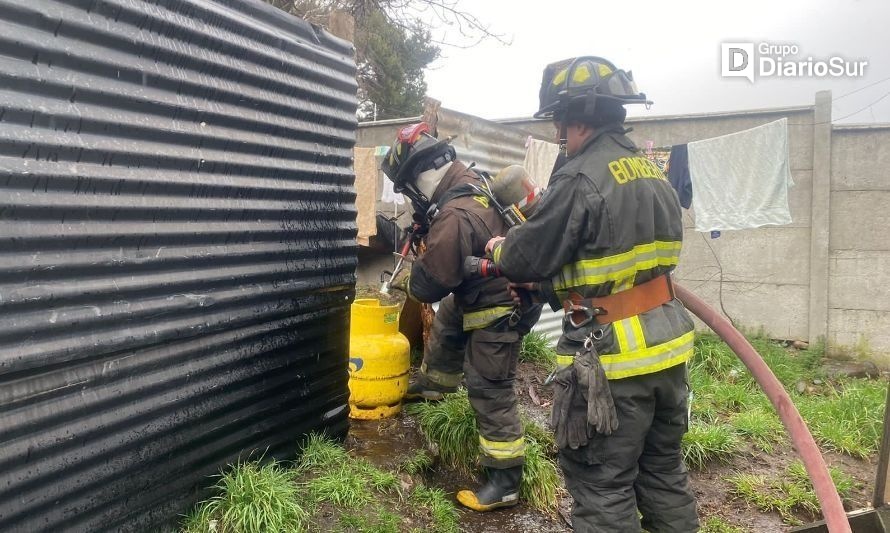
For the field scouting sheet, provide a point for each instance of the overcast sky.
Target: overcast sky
(674, 51)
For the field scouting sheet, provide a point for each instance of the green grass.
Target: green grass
(540, 479)
(844, 484)
(761, 427)
(352, 522)
(707, 443)
(320, 452)
(716, 524)
(712, 357)
(848, 418)
(790, 493)
(336, 478)
(442, 512)
(387, 521)
(536, 349)
(733, 397)
(418, 462)
(789, 366)
(541, 435)
(251, 497)
(844, 416)
(450, 425)
(342, 486)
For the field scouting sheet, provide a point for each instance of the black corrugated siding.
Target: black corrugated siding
(177, 252)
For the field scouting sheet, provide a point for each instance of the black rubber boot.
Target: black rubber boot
(423, 390)
(502, 490)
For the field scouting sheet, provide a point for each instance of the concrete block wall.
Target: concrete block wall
(859, 260)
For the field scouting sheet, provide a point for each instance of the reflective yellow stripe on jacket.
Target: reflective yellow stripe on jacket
(645, 360)
(629, 334)
(484, 317)
(617, 268)
(503, 450)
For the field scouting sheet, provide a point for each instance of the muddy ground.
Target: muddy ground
(387, 442)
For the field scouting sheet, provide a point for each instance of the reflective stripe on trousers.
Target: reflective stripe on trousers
(502, 450)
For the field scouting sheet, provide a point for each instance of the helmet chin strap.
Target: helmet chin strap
(420, 201)
(563, 139)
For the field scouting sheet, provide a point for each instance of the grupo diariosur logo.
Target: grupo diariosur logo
(783, 60)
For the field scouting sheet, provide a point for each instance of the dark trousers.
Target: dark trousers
(639, 466)
(488, 359)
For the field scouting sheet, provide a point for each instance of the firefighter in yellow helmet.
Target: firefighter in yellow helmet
(601, 247)
(477, 331)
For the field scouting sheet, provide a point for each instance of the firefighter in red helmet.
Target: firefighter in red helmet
(478, 329)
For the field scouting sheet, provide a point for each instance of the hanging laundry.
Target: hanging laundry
(678, 174)
(366, 194)
(540, 158)
(741, 180)
(389, 196)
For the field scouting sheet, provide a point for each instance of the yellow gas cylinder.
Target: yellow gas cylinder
(379, 359)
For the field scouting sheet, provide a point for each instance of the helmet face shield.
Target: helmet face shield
(620, 84)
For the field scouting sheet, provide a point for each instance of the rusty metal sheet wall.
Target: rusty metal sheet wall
(490, 145)
(177, 250)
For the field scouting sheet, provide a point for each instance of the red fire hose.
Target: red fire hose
(832, 508)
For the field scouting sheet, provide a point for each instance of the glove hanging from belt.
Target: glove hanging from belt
(582, 401)
(601, 415)
(569, 413)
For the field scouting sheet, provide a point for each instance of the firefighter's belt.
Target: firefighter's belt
(621, 305)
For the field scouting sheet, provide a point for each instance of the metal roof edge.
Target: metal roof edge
(714, 114)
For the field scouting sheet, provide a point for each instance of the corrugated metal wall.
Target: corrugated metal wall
(177, 250)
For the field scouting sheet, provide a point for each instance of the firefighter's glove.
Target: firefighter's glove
(601, 416)
(569, 414)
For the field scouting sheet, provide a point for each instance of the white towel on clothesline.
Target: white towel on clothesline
(741, 180)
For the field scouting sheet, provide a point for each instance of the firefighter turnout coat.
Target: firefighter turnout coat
(608, 221)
